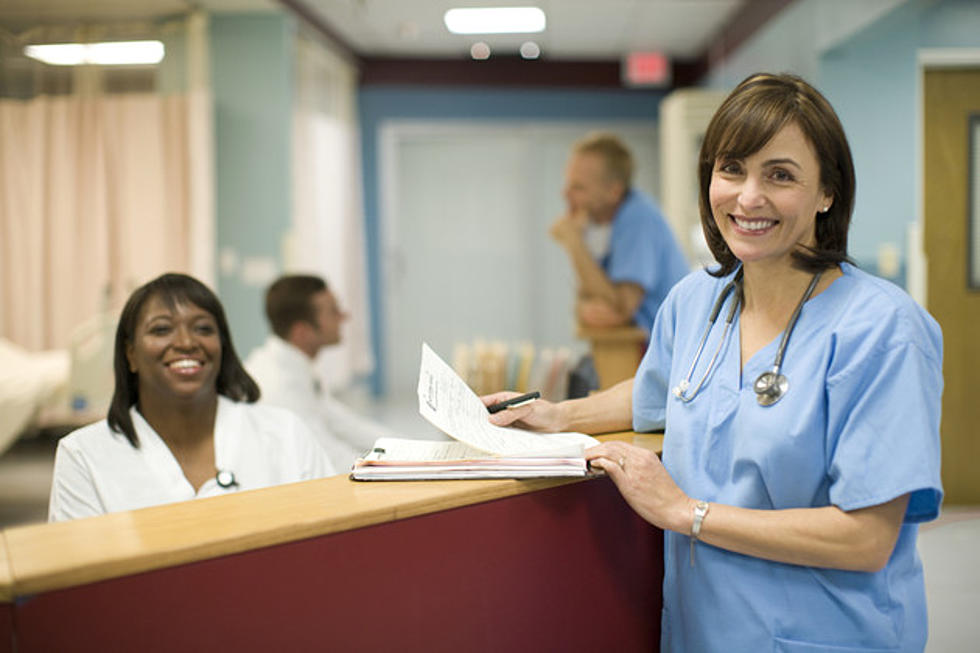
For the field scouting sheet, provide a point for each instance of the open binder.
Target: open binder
(480, 450)
(395, 459)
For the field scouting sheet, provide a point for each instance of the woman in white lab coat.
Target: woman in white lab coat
(182, 423)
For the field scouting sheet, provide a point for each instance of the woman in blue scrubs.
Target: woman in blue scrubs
(801, 445)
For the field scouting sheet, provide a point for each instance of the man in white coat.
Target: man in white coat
(304, 317)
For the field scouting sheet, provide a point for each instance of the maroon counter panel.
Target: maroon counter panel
(567, 569)
(6, 628)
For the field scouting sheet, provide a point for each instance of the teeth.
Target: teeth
(754, 225)
(185, 363)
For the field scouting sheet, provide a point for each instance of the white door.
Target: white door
(466, 211)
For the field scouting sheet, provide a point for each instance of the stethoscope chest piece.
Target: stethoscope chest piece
(771, 385)
(770, 388)
(225, 478)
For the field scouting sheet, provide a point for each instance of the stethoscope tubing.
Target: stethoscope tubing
(680, 390)
(770, 386)
(781, 352)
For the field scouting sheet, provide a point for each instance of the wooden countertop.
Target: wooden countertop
(613, 334)
(6, 580)
(45, 557)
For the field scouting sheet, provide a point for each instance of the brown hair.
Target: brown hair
(616, 156)
(750, 116)
(290, 300)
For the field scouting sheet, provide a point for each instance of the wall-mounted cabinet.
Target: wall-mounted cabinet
(684, 116)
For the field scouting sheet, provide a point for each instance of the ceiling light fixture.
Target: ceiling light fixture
(530, 50)
(495, 20)
(105, 54)
(480, 51)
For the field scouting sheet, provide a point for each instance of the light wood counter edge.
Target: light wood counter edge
(6, 576)
(46, 557)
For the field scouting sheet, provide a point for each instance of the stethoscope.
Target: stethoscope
(771, 385)
(225, 478)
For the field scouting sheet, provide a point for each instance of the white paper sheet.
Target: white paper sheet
(405, 450)
(448, 403)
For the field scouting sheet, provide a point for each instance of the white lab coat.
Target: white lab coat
(97, 470)
(288, 378)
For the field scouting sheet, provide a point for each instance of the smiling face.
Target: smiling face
(175, 352)
(766, 204)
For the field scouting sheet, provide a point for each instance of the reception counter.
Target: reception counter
(341, 565)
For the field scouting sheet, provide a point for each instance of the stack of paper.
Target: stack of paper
(481, 449)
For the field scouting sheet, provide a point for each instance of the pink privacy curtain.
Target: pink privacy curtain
(96, 197)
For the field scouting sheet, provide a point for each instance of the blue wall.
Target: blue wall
(251, 74)
(379, 104)
(872, 81)
(871, 78)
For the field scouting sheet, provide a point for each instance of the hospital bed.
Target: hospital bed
(58, 389)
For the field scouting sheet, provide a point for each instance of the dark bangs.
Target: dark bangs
(756, 125)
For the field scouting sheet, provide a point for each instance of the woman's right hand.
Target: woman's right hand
(538, 415)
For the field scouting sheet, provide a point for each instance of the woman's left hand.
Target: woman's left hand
(645, 484)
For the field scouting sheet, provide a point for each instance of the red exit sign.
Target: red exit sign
(650, 69)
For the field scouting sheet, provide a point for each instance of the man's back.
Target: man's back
(643, 251)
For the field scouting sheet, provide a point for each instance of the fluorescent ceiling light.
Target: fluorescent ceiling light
(105, 54)
(495, 20)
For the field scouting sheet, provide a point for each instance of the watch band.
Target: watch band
(700, 511)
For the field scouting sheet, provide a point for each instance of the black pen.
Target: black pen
(519, 400)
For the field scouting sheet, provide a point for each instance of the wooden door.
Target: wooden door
(951, 97)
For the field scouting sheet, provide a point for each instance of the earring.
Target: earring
(825, 209)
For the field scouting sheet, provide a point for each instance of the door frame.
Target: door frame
(959, 482)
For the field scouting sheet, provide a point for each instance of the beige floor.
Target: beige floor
(950, 552)
(949, 547)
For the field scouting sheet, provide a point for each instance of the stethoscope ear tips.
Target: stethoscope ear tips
(680, 389)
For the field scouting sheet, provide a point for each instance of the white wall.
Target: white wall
(465, 210)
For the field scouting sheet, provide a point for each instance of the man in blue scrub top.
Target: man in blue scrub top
(623, 251)
(800, 399)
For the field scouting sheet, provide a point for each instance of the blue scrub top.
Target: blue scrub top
(858, 427)
(643, 250)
